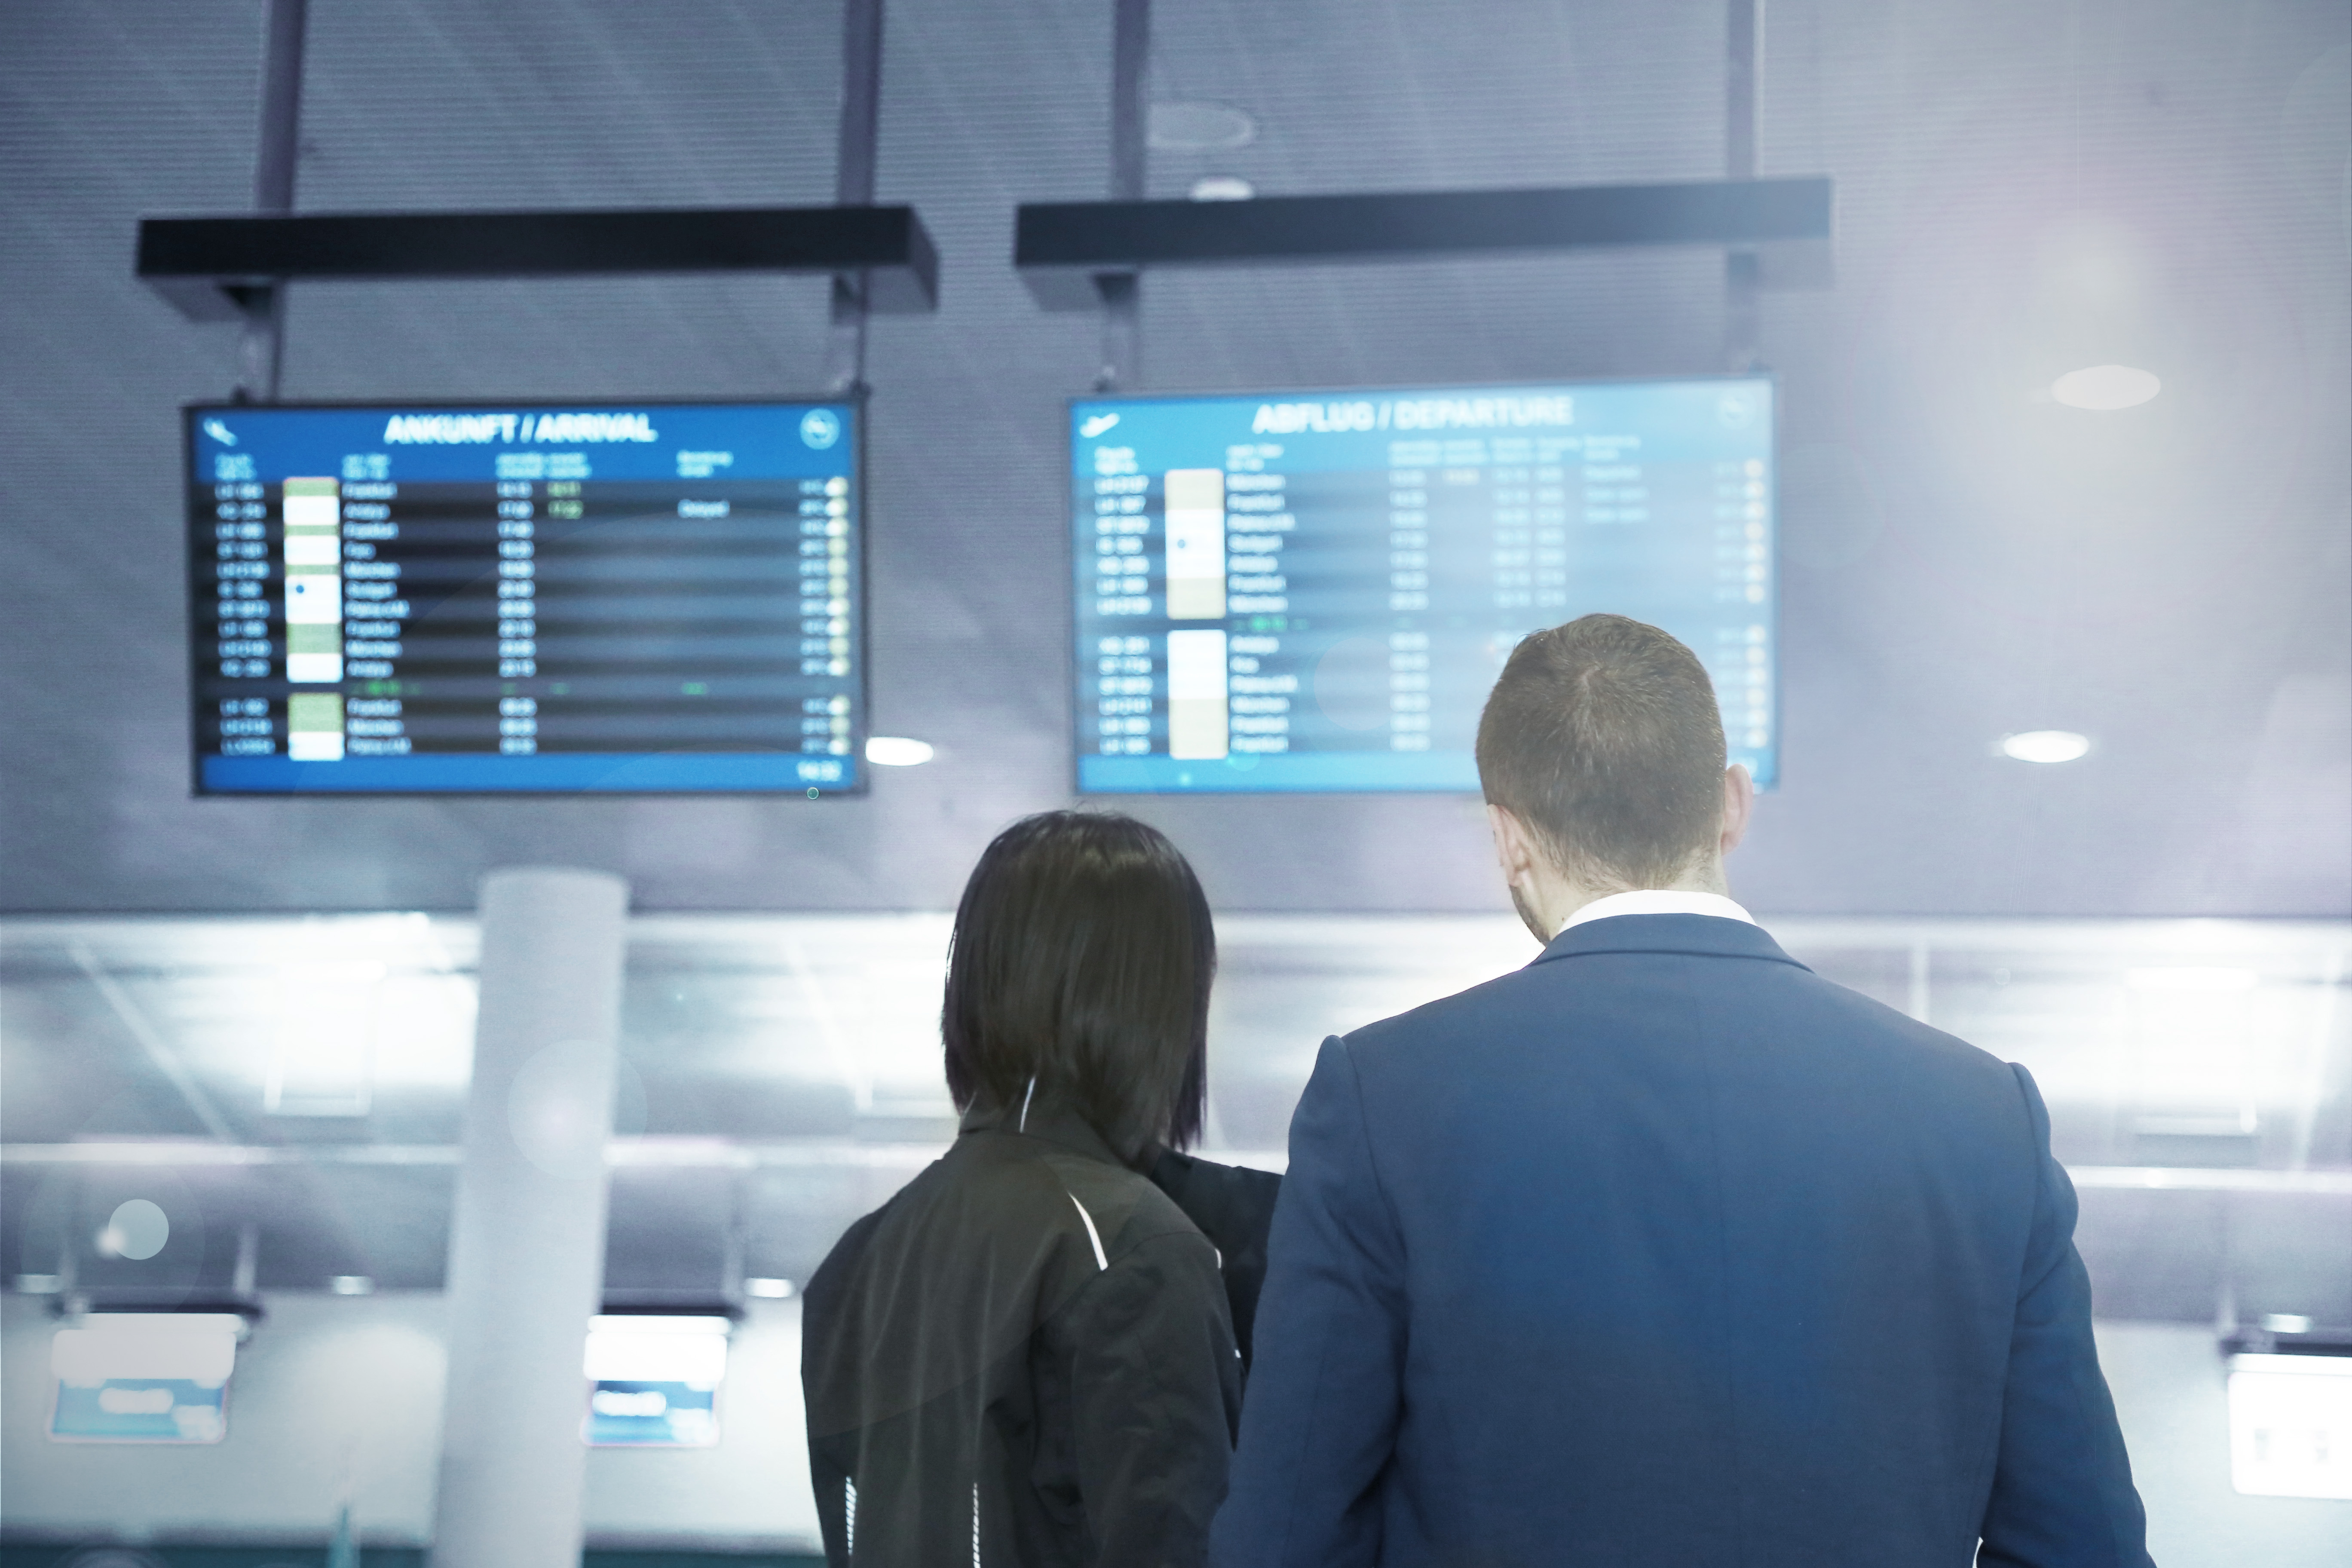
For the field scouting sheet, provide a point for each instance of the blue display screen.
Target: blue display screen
(141, 1410)
(1315, 591)
(576, 597)
(639, 1414)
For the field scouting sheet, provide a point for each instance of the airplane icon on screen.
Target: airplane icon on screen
(220, 432)
(1090, 428)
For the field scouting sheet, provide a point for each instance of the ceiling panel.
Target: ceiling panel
(2021, 190)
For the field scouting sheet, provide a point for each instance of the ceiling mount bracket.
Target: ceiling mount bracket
(1067, 251)
(207, 266)
(878, 258)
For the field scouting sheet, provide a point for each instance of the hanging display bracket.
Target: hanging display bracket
(210, 268)
(1065, 250)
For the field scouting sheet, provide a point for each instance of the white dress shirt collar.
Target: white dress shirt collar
(1659, 902)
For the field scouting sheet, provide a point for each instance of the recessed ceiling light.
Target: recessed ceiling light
(897, 750)
(768, 1289)
(2044, 746)
(1223, 188)
(352, 1285)
(1198, 127)
(2105, 387)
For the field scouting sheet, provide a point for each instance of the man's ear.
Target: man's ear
(1738, 807)
(1514, 845)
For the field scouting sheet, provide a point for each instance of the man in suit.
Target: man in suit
(1663, 1250)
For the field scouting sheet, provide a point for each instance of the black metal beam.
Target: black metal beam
(1063, 248)
(855, 160)
(262, 353)
(209, 265)
(1121, 298)
(1743, 34)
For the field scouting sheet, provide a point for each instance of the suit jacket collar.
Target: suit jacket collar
(1705, 936)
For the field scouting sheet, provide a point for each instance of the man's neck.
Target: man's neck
(1565, 895)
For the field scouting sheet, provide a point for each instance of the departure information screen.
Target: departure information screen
(1315, 592)
(628, 598)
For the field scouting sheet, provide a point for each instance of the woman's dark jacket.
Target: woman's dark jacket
(1026, 1357)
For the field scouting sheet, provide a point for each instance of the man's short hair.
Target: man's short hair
(1081, 963)
(1603, 737)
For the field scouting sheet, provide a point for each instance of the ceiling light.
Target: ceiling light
(2288, 1415)
(352, 1285)
(627, 1348)
(1198, 127)
(2044, 746)
(199, 1347)
(768, 1289)
(322, 1059)
(897, 750)
(2105, 387)
(1223, 188)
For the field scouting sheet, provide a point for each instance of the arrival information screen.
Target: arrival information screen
(658, 597)
(1315, 591)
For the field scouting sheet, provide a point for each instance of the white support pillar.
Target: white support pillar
(527, 1248)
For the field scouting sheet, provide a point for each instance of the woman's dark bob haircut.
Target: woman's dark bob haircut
(1082, 958)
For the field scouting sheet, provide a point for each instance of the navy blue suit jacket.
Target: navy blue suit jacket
(1665, 1250)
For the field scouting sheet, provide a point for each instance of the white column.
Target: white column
(527, 1248)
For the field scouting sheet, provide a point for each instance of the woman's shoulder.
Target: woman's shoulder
(1142, 1281)
(1120, 1210)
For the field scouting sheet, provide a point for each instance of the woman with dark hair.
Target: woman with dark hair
(1028, 1356)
